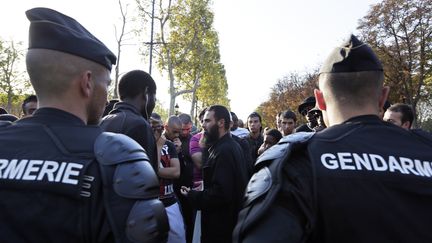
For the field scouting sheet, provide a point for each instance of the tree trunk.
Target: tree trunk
(194, 101)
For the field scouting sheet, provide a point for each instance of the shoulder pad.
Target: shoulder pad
(115, 148)
(136, 180)
(258, 185)
(281, 147)
(298, 137)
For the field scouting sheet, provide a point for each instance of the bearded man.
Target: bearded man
(225, 178)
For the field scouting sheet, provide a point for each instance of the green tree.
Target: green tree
(188, 49)
(200, 74)
(159, 109)
(400, 32)
(287, 94)
(12, 80)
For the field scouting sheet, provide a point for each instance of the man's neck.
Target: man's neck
(254, 135)
(72, 108)
(339, 115)
(222, 133)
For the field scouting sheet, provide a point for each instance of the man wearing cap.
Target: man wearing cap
(359, 180)
(307, 105)
(61, 178)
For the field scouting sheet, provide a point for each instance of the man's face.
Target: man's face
(148, 104)
(173, 131)
(254, 124)
(210, 126)
(151, 103)
(157, 127)
(186, 129)
(313, 118)
(98, 101)
(287, 126)
(305, 112)
(235, 124)
(395, 118)
(269, 141)
(30, 108)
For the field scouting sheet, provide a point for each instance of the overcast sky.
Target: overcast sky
(260, 41)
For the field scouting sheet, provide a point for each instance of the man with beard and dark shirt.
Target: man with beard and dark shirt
(359, 180)
(137, 91)
(224, 176)
(57, 168)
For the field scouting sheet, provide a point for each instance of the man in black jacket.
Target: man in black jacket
(359, 180)
(225, 178)
(137, 91)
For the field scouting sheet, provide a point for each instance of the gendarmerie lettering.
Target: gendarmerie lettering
(38, 170)
(375, 162)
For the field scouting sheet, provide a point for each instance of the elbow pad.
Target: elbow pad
(131, 190)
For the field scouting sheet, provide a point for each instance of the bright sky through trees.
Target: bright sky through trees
(260, 41)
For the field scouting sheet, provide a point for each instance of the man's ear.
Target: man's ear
(320, 102)
(221, 123)
(85, 83)
(406, 125)
(383, 96)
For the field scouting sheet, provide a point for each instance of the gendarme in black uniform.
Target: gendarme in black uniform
(52, 184)
(60, 179)
(50, 180)
(363, 180)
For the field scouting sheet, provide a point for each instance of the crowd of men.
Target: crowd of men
(76, 169)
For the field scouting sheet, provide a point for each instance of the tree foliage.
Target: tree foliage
(288, 93)
(12, 80)
(400, 32)
(189, 51)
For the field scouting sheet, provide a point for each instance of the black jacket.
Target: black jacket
(361, 181)
(225, 178)
(45, 161)
(126, 119)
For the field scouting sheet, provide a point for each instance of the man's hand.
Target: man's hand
(177, 144)
(185, 190)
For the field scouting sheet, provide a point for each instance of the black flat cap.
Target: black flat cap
(309, 101)
(52, 30)
(352, 56)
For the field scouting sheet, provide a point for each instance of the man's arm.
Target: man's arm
(220, 192)
(173, 171)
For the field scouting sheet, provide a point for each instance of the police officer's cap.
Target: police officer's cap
(52, 30)
(352, 56)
